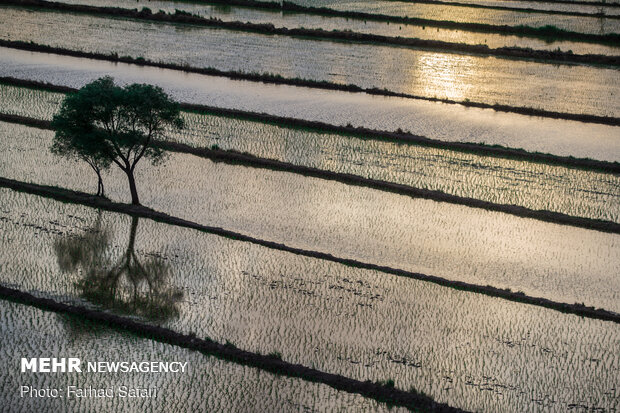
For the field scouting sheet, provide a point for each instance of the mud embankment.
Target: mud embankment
(382, 393)
(571, 2)
(277, 79)
(66, 195)
(358, 132)
(548, 32)
(320, 34)
(597, 15)
(234, 157)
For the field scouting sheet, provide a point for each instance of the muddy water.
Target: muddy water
(32, 103)
(434, 120)
(472, 351)
(422, 73)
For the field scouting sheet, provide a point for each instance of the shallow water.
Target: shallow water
(293, 20)
(549, 3)
(434, 120)
(32, 103)
(467, 14)
(532, 185)
(549, 6)
(422, 73)
(223, 11)
(453, 345)
(208, 384)
(562, 263)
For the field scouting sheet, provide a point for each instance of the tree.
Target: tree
(79, 146)
(103, 124)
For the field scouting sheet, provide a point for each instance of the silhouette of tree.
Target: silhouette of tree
(103, 124)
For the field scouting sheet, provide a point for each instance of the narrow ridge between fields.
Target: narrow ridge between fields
(570, 2)
(544, 56)
(315, 84)
(508, 8)
(66, 195)
(234, 157)
(382, 393)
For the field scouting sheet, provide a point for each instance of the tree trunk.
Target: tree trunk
(132, 187)
(100, 191)
(95, 167)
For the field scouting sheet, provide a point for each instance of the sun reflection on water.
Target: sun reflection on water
(445, 75)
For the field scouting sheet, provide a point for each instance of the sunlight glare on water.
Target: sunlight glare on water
(433, 120)
(441, 75)
(516, 82)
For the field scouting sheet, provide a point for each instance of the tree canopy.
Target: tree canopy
(105, 124)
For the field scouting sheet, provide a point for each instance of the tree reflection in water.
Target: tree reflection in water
(128, 284)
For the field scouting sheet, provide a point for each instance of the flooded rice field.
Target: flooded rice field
(231, 387)
(601, 9)
(502, 181)
(597, 24)
(310, 21)
(551, 4)
(317, 250)
(433, 120)
(451, 344)
(558, 262)
(222, 11)
(32, 103)
(421, 73)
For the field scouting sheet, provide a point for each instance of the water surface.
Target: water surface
(295, 20)
(208, 384)
(559, 262)
(532, 185)
(469, 350)
(597, 25)
(434, 120)
(557, 87)
(549, 6)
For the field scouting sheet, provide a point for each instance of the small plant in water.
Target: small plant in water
(387, 383)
